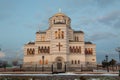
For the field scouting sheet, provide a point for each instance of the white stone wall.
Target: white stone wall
(91, 58)
(69, 40)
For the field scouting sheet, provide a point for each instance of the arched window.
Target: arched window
(77, 38)
(91, 50)
(30, 51)
(86, 52)
(48, 49)
(45, 49)
(73, 49)
(40, 61)
(59, 33)
(62, 34)
(72, 62)
(75, 62)
(77, 50)
(70, 48)
(54, 21)
(65, 21)
(27, 51)
(46, 62)
(33, 52)
(78, 61)
(38, 50)
(56, 35)
(42, 49)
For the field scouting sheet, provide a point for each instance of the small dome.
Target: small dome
(78, 32)
(31, 43)
(88, 42)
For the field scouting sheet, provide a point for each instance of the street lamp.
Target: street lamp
(43, 63)
(52, 68)
(107, 63)
(106, 58)
(65, 66)
(118, 50)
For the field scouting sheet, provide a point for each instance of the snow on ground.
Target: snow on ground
(63, 74)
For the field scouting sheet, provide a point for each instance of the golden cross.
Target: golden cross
(59, 45)
(60, 10)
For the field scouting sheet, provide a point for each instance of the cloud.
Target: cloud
(112, 19)
(102, 36)
(104, 3)
(2, 55)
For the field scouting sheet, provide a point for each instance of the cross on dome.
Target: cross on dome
(60, 10)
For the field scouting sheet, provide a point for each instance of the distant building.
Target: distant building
(60, 45)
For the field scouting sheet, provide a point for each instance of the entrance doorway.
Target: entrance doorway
(59, 65)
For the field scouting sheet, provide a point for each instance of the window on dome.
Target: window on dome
(59, 21)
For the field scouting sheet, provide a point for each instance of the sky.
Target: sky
(20, 19)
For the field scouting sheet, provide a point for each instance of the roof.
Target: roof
(40, 32)
(78, 32)
(88, 42)
(31, 42)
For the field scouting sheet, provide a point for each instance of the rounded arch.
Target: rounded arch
(45, 49)
(46, 61)
(75, 62)
(33, 51)
(78, 61)
(77, 49)
(42, 49)
(72, 62)
(48, 49)
(73, 49)
(38, 49)
(28, 51)
(59, 59)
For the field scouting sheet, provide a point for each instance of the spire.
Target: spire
(60, 10)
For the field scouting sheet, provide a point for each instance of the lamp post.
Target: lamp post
(52, 68)
(107, 63)
(118, 50)
(106, 58)
(42, 63)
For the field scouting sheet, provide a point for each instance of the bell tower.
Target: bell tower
(59, 26)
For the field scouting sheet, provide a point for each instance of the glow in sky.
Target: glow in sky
(20, 19)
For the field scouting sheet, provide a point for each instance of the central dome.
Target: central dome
(59, 14)
(59, 18)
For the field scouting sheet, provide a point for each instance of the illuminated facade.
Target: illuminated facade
(59, 45)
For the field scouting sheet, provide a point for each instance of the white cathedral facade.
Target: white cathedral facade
(59, 45)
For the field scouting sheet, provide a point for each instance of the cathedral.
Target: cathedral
(59, 46)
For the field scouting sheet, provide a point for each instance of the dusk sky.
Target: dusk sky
(20, 19)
